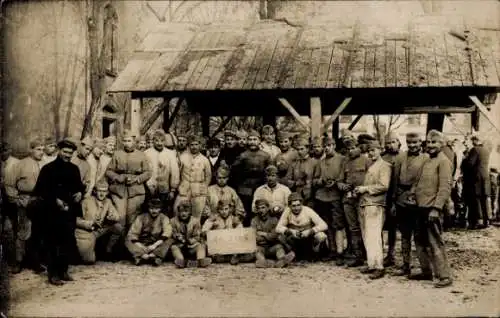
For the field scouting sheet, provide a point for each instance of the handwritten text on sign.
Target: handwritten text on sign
(232, 241)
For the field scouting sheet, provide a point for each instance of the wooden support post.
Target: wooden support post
(435, 121)
(355, 122)
(135, 116)
(336, 113)
(222, 125)
(485, 112)
(316, 117)
(205, 125)
(148, 122)
(336, 130)
(294, 113)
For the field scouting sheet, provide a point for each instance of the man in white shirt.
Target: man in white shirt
(273, 192)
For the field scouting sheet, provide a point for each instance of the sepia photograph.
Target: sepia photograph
(250, 158)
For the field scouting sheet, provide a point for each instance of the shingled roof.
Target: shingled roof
(270, 55)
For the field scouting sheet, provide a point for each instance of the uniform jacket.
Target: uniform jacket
(329, 168)
(377, 182)
(249, 171)
(405, 173)
(95, 211)
(94, 166)
(147, 230)
(22, 179)
(190, 231)
(475, 170)
(300, 175)
(84, 168)
(305, 220)
(164, 170)
(433, 188)
(268, 226)
(284, 160)
(104, 162)
(277, 197)
(128, 164)
(216, 193)
(271, 149)
(196, 174)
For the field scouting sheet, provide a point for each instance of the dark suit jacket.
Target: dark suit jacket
(475, 172)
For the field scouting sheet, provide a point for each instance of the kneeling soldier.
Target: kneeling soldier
(267, 238)
(224, 220)
(186, 232)
(149, 235)
(99, 217)
(303, 228)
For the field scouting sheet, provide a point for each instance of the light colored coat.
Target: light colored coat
(376, 183)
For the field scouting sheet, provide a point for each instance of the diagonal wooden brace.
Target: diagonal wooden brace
(485, 112)
(336, 114)
(294, 113)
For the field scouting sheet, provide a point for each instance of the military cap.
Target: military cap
(347, 134)
(213, 143)
(350, 142)
(374, 144)
(230, 132)
(295, 197)
(222, 171)
(50, 141)
(101, 185)
(128, 134)
(36, 142)
(316, 141)
(284, 135)
(435, 134)
(155, 203)
(365, 138)
(267, 129)
(241, 134)
(98, 143)
(67, 143)
(413, 134)
(328, 141)
(270, 170)
(194, 138)
(184, 204)
(301, 141)
(494, 170)
(159, 133)
(110, 140)
(253, 133)
(224, 202)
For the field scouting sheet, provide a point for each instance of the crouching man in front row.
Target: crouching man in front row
(303, 228)
(149, 237)
(99, 217)
(186, 234)
(268, 243)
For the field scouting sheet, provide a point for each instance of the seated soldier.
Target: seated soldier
(275, 193)
(186, 231)
(149, 237)
(223, 220)
(267, 239)
(221, 191)
(99, 217)
(303, 228)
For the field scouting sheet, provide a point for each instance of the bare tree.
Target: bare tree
(381, 129)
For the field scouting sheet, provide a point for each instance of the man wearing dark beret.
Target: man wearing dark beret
(231, 148)
(61, 189)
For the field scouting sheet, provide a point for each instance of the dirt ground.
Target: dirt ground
(321, 289)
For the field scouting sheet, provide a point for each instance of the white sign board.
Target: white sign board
(231, 241)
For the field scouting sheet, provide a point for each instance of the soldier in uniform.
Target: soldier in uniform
(287, 156)
(50, 150)
(105, 159)
(80, 160)
(406, 172)
(93, 161)
(300, 174)
(19, 186)
(267, 144)
(248, 174)
(231, 149)
(60, 187)
(355, 169)
(242, 139)
(392, 146)
(432, 190)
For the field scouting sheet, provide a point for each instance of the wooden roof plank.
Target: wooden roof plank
(201, 75)
(452, 60)
(266, 57)
(222, 61)
(323, 68)
(237, 68)
(253, 70)
(390, 63)
(479, 60)
(463, 63)
(314, 67)
(401, 64)
(335, 68)
(274, 70)
(379, 66)
(369, 66)
(442, 61)
(357, 67)
(487, 45)
(159, 69)
(303, 65)
(185, 67)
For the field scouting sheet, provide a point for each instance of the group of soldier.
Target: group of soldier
(158, 196)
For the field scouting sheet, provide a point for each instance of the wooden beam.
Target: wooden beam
(160, 108)
(167, 124)
(294, 113)
(222, 125)
(336, 113)
(316, 117)
(485, 112)
(135, 115)
(354, 122)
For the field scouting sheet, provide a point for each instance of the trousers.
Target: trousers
(371, 219)
(86, 241)
(407, 221)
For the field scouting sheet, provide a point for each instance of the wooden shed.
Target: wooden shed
(278, 68)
